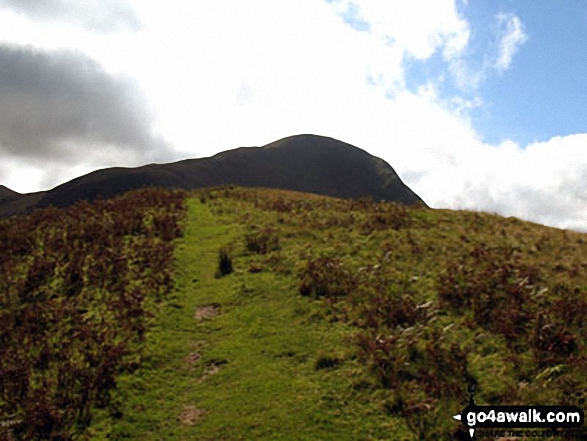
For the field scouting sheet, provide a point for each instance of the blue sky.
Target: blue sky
(543, 93)
(477, 105)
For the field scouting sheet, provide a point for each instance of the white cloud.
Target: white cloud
(418, 27)
(224, 74)
(512, 37)
(469, 73)
(544, 182)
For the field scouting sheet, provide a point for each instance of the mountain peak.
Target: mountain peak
(306, 163)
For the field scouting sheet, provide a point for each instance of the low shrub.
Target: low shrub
(77, 289)
(326, 277)
(224, 263)
(262, 242)
(325, 361)
(495, 286)
(387, 215)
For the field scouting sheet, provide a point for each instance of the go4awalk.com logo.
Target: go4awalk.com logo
(520, 417)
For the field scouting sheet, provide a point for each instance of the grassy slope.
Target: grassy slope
(248, 373)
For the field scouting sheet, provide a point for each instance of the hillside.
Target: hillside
(300, 317)
(307, 163)
(6, 193)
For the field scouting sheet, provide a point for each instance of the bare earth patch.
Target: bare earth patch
(191, 415)
(196, 355)
(192, 359)
(212, 368)
(207, 312)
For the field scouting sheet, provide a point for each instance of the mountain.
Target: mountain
(306, 163)
(12, 203)
(6, 194)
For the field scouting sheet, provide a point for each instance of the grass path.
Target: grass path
(235, 358)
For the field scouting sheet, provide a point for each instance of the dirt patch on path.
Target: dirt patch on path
(191, 415)
(212, 368)
(196, 355)
(207, 312)
(192, 359)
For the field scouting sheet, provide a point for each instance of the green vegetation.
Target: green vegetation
(244, 356)
(295, 316)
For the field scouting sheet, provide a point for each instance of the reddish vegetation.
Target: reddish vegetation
(75, 285)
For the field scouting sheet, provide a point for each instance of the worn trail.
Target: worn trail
(235, 357)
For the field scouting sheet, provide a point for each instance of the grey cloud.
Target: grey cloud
(3, 173)
(97, 15)
(62, 106)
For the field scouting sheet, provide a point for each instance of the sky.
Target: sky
(476, 104)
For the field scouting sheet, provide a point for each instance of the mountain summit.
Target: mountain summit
(306, 163)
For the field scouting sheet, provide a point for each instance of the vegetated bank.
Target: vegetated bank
(295, 316)
(78, 288)
(338, 319)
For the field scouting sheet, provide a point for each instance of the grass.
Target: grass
(301, 317)
(249, 372)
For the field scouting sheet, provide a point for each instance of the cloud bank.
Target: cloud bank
(451, 166)
(96, 15)
(225, 74)
(61, 107)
